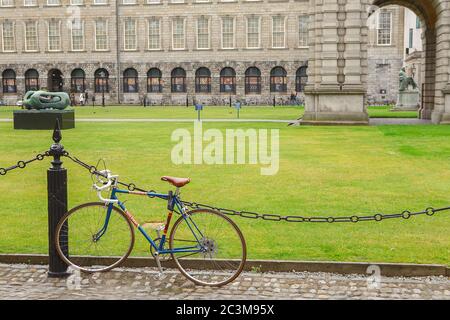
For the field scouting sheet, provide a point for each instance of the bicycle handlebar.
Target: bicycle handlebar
(112, 179)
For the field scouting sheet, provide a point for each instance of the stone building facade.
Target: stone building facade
(385, 54)
(290, 53)
(266, 37)
(172, 51)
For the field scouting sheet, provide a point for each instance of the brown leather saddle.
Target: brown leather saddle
(177, 182)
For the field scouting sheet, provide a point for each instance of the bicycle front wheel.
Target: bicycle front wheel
(94, 241)
(208, 247)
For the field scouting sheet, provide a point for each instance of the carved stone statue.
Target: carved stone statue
(406, 81)
(408, 93)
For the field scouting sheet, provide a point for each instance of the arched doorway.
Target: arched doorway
(55, 80)
(427, 12)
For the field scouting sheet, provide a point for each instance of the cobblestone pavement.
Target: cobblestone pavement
(31, 282)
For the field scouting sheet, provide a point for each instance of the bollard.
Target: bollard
(57, 204)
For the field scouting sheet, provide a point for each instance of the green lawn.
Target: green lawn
(323, 171)
(174, 112)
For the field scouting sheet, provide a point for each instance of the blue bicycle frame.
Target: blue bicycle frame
(174, 205)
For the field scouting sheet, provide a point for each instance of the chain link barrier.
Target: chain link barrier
(22, 164)
(406, 214)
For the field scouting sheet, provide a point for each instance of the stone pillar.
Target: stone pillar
(335, 93)
(443, 71)
(428, 92)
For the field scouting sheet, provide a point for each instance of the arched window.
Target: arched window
(154, 80)
(301, 78)
(203, 80)
(31, 80)
(101, 78)
(130, 81)
(228, 80)
(77, 80)
(9, 81)
(178, 79)
(278, 80)
(252, 80)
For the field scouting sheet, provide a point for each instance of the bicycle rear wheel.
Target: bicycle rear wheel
(221, 253)
(81, 232)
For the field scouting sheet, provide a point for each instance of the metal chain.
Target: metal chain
(406, 214)
(22, 164)
(355, 218)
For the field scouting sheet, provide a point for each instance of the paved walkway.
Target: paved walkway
(31, 282)
(372, 122)
(169, 120)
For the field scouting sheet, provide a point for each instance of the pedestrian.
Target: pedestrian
(292, 99)
(82, 99)
(72, 99)
(93, 100)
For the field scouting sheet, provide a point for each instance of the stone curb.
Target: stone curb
(387, 269)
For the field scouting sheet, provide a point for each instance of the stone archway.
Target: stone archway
(55, 80)
(426, 10)
(337, 85)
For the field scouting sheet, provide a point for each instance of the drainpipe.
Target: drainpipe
(118, 51)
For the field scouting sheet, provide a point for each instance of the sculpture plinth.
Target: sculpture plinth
(408, 100)
(43, 119)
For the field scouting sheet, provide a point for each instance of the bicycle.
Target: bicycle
(213, 242)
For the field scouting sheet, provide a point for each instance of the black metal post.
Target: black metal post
(103, 96)
(57, 204)
(274, 101)
(187, 101)
(230, 100)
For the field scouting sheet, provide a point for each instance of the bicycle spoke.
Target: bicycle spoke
(221, 241)
(83, 224)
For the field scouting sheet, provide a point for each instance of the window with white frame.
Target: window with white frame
(227, 33)
(7, 3)
(53, 2)
(154, 34)
(101, 35)
(203, 33)
(77, 35)
(100, 2)
(303, 22)
(253, 32)
(130, 36)
(278, 32)
(31, 36)
(9, 41)
(54, 36)
(384, 28)
(77, 2)
(178, 41)
(29, 3)
(128, 2)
